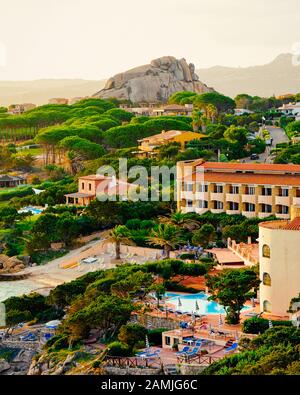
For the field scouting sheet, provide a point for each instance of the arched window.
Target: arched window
(266, 279)
(267, 306)
(266, 251)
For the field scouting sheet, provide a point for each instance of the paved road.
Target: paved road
(278, 135)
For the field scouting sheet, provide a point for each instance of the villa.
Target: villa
(250, 189)
(92, 185)
(11, 181)
(149, 145)
(17, 109)
(292, 109)
(173, 109)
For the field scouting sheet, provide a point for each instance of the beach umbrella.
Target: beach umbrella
(236, 336)
(270, 324)
(179, 302)
(147, 342)
(196, 306)
(220, 322)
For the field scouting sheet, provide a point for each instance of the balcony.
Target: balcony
(282, 216)
(264, 215)
(249, 214)
(233, 197)
(217, 196)
(201, 195)
(189, 195)
(265, 199)
(217, 210)
(296, 201)
(249, 199)
(232, 212)
(188, 209)
(282, 200)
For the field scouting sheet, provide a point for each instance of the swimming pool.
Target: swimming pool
(188, 303)
(34, 210)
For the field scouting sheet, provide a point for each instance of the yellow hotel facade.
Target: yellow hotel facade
(250, 189)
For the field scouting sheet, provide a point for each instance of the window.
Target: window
(266, 251)
(284, 192)
(266, 191)
(203, 204)
(168, 340)
(218, 188)
(233, 206)
(202, 188)
(188, 187)
(250, 207)
(82, 185)
(189, 203)
(285, 209)
(234, 189)
(267, 306)
(218, 205)
(266, 208)
(90, 186)
(266, 279)
(250, 190)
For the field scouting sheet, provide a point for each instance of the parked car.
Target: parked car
(254, 156)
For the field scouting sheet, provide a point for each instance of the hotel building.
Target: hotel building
(250, 189)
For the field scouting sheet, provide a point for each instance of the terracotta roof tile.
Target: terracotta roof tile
(294, 224)
(251, 166)
(245, 178)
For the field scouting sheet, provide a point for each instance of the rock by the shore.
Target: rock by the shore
(154, 82)
(4, 366)
(10, 264)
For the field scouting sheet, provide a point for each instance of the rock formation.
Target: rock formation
(154, 82)
(10, 265)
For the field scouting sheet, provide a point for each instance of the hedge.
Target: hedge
(257, 325)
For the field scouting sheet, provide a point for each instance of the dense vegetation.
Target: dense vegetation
(276, 352)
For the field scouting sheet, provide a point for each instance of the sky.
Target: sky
(95, 39)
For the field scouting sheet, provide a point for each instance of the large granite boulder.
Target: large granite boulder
(154, 82)
(10, 264)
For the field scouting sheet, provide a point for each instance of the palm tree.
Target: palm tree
(211, 112)
(180, 220)
(166, 236)
(120, 234)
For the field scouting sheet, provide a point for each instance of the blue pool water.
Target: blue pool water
(188, 303)
(34, 210)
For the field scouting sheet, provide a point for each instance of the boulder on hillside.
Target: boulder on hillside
(154, 82)
(10, 264)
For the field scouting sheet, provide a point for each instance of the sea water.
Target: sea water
(16, 288)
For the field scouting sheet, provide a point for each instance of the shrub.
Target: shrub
(154, 336)
(257, 325)
(57, 342)
(131, 334)
(118, 349)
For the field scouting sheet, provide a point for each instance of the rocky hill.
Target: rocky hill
(278, 77)
(154, 82)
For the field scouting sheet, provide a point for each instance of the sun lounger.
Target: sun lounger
(193, 352)
(183, 351)
(231, 348)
